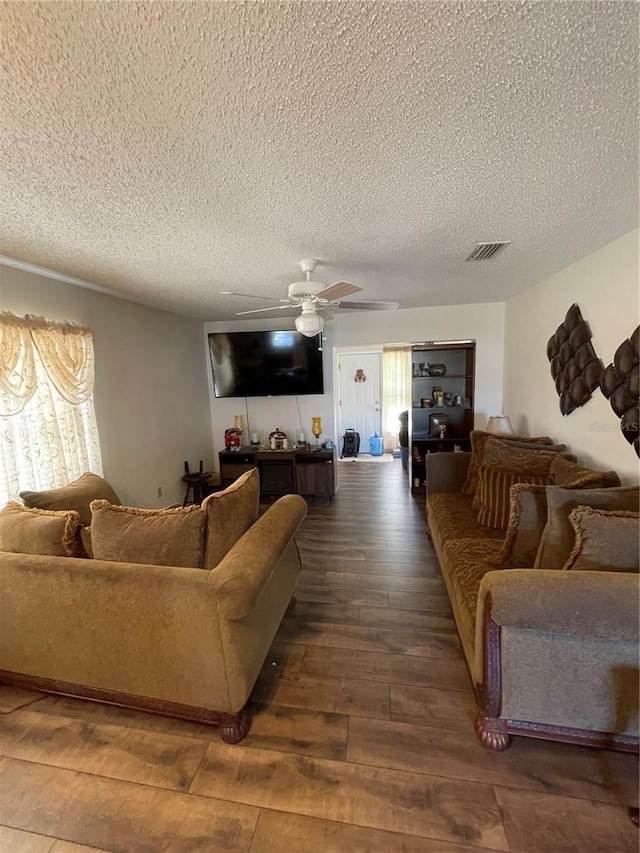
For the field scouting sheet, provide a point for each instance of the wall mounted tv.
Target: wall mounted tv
(265, 364)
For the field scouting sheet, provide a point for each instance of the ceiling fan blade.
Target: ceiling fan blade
(259, 310)
(249, 296)
(337, 291)
(370, 306)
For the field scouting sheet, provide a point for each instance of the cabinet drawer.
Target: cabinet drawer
(231, 471)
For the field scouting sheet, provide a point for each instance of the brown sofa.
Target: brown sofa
(177, 640)
(552, 654)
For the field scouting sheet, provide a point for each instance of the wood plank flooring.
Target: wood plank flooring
(362, 738)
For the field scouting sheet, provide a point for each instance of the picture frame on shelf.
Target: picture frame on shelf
(438, 425)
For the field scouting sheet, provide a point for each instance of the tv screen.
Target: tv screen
(265, 364)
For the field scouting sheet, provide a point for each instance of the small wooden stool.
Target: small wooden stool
(201, 484)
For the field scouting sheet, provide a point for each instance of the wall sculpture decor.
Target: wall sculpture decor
(620, 384)
(575, 367)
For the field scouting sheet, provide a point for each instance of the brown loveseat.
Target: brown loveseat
(185, 641)
(551, 653)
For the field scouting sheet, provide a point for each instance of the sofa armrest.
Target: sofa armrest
(242, 574)
(446, 472)
(557, 656)
(586, 604)
(596, 605)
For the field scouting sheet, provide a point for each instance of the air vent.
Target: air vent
(484, 251)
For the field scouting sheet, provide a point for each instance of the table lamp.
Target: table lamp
(499, 425)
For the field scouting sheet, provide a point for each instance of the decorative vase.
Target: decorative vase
(316, 428)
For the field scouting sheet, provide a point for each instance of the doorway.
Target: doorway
(359, 395)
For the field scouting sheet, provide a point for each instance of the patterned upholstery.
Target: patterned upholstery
(479, 439)
(494, 496)
(464, 563)
(452, 517)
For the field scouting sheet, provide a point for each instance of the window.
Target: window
(48, 431)
(396, 391)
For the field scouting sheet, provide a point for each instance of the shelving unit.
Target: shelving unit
(453, 410)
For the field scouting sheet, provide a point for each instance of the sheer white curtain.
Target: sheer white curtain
(396, 391)
(48, 431)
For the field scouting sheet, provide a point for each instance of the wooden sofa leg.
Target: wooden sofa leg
(234, 727)
(496, 740)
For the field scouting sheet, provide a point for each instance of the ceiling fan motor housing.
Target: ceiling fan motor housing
(304, 289)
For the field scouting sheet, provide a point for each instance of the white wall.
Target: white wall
(605, 286)
(483, 323)
(150, 394)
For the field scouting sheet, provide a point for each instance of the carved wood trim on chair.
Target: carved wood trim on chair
(233, 727)
(491, 730)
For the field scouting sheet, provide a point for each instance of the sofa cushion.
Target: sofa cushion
(76, 495)
(565, 472)
(158, 537)
(494, 498)
(26, 530)
(558, 537)
(606, 540)
(465, 563)
(478, 440)
(230, 514)
(451, 516)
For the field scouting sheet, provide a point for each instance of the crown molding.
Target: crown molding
(47, 273)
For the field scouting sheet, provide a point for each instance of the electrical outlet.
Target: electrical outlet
(159, 491)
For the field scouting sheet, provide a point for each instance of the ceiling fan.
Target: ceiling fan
(313, 297)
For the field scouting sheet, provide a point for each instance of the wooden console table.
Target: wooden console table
(283, 472)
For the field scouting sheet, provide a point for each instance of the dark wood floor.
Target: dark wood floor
(362, 737)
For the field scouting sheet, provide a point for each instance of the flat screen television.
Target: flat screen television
(265, 364)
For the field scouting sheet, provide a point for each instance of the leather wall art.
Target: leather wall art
(575, 368)
(620, 384)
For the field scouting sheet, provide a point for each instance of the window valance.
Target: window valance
(65, 350)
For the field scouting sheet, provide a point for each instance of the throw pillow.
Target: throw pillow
(517, 465)
(528, 516)
(158, 537)
(606, 540)
(494, 494)
(37, 531)
(506, 456)
(566, 473)
(527, 519)
(230, 514)
(558, 537)
(76, 495)
(478, 440)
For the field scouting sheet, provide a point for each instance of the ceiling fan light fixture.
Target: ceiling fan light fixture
(309, 323)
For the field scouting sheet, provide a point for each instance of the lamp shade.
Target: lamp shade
(499, 425)
(309, 323)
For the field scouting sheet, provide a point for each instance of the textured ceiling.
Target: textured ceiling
(169, 151)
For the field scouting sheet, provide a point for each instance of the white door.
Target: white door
(359, 388)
